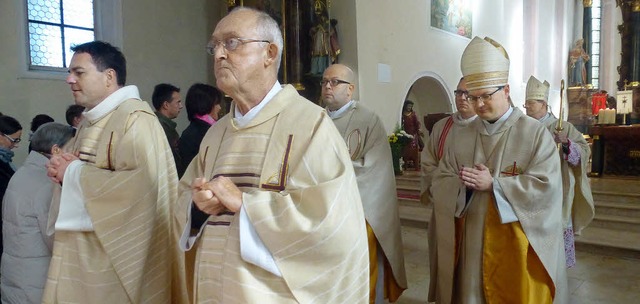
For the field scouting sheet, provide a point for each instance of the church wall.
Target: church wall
(398, 34)
(163, 41)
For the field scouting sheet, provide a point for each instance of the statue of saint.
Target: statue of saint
(577, 64)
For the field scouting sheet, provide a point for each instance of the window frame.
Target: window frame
(107, 26)
(596, 81)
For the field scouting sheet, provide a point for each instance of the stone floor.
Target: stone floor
(595, 278)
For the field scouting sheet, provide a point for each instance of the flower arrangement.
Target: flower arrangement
(397, 140)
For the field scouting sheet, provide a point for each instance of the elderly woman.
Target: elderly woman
(204, 106)
(25, 210)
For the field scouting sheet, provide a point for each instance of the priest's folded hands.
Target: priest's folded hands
(477, 177)
(216, 195)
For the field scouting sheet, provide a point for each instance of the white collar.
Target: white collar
(243, 120)
(492, 127)
(457, 118)
(338, 113)
(112, 101)
(545, 117)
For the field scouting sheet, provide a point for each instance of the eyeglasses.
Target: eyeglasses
(484, 97)
(530, 103)
(13, 140)
(333, 82)
(230, 44)
(460, 93)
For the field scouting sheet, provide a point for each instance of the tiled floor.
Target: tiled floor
(595, 278)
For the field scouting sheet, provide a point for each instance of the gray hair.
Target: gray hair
(268, 29)
(50, 134)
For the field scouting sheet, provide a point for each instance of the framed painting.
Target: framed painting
(453, 16)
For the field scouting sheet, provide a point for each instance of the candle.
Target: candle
(601, 119)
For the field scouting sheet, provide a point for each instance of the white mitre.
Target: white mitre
(484, 64)
(537, 90)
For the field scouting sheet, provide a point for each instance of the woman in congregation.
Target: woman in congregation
(204, 108)
(25, 213)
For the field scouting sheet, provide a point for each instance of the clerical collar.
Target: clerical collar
(338, 113)
(112, 101)
(458, 119)
(243, 120)
(492, 127)
(545, 117)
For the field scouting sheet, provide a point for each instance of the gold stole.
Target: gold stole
(511, 270)
(392, 290)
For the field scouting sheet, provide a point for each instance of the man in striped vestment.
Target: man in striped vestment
(114, 238)
(270, 202)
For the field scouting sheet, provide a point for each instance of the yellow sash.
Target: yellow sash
(511, 270)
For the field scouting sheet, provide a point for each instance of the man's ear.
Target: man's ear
(112, 77)
(272, 53)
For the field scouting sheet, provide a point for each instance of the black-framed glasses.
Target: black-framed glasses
(230, 44)
(13, 140)
(460, 93)
(484, 97)
(333, 82)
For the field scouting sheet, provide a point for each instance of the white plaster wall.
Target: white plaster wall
(398, 33)
(163, 41)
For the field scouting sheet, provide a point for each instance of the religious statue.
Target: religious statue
(324, 40)
(411, 125)
(577, 64)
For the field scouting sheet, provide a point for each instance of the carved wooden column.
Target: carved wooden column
(629, 30)
(295, 32)
(629, 68)
(586, 35)
(634, 63)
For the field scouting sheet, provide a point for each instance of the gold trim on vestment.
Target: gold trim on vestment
(281, 182)
(357, 150)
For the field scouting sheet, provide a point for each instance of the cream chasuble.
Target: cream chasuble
(301, 196)
(438, 142)
(370, 153)
(129, 184)
(577, 200)
(522, 157)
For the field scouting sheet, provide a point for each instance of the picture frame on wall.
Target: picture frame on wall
(452, 16)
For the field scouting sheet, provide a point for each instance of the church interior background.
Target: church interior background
(398, 56)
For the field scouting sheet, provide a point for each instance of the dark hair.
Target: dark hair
(39, 120)
(406, 103)
(105, 56)
(49, 134)
(9, 125)
(72, 112)
(201, 98)
(162, 93)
